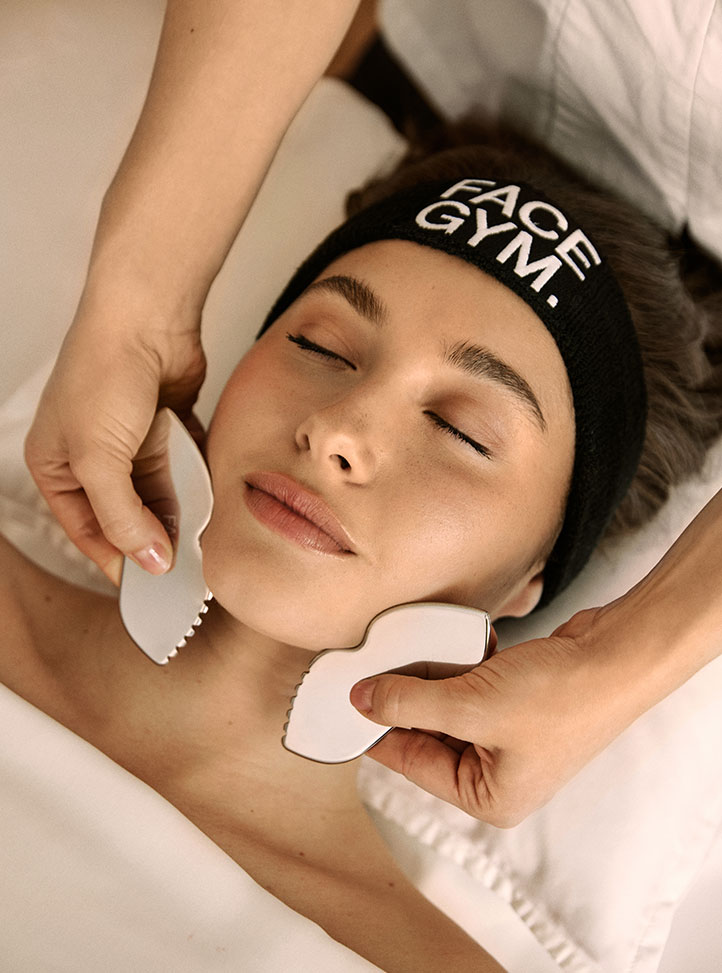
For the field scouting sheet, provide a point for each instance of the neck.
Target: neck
(207, 726)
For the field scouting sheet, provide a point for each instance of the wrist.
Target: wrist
(128, 295)
(637, 652)
(138, 268)
(665, 629)
(613, 652)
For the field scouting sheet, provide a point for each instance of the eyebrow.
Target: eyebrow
(472, 359)
(482, 363)
(359, 295)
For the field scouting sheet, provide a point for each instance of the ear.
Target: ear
(522, 600)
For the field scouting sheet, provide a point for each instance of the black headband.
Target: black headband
(514, 233)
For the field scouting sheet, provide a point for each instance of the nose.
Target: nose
(343, 440)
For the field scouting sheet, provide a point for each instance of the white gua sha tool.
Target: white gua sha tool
(323, 724)
(160, 611)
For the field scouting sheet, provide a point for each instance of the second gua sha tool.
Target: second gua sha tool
(161, 611)
(323, 725)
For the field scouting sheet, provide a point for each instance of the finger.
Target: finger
(451, 706)
(456, 777)
(153, 480)
(126, 523)
(75, 515)
(453, 743)
(444, 738)
(107, 519)
(433, 670)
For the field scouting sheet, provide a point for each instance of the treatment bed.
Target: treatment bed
(620, 873)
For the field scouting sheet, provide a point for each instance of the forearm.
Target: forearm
(669, 625)
(229, 77)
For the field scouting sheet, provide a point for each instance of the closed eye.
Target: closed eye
(458, 434)
(314, 349)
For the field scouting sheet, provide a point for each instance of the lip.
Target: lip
(281, 503)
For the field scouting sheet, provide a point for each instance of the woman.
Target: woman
(200, 150)
(408, 427)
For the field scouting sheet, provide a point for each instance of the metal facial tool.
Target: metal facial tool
(324, 726)
(160, 611)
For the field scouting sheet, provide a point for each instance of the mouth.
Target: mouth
(291, 510)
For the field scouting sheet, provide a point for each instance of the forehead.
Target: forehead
(420, 278)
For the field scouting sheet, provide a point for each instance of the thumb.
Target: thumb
(450, 706)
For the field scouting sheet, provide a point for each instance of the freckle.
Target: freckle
(392, 885)
(48, 599)
(302, 854)
(230, 722)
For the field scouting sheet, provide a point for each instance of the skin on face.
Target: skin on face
(357, 411)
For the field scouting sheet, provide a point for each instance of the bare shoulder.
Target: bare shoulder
(44, 597)
(39, 615)
(18, 650)
(24, 586)
(15, 579)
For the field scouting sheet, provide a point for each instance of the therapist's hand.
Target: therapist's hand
(116, 367)
(500, 740)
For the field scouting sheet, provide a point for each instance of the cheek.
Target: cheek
(254, 399)
(252, 374)
(470, 543)
(434, 537)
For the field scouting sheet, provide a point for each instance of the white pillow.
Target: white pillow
(598, 872)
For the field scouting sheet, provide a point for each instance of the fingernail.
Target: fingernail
(152, 559)
(362, 695)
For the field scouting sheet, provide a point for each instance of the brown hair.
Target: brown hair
(673, 290)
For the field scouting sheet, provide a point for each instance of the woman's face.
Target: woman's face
(403, 432)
